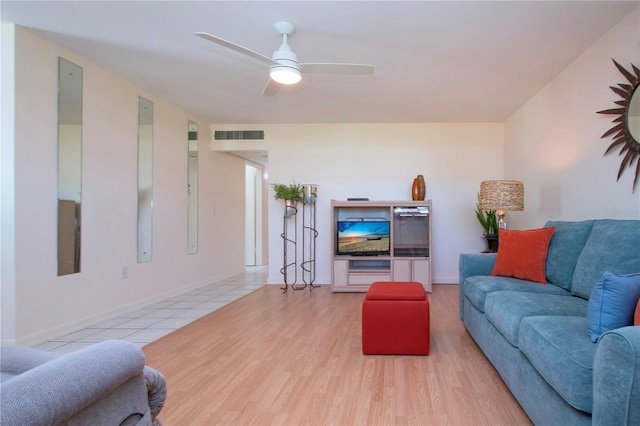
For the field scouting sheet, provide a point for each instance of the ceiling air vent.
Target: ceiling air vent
(221, 135)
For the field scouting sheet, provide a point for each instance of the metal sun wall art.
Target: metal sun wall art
(623, 137)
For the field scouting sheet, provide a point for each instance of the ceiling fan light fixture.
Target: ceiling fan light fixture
(285, 69)
(284, 74)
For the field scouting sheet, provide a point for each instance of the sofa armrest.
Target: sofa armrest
(16, 360)
(156, 389)
(472, 264)
(56, 390)
(616, 378)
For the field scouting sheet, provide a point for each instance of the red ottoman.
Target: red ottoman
(395, 319)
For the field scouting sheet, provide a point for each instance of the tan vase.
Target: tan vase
(422, 186)
(415, 190)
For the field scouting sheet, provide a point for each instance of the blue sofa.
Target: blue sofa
(536, 335)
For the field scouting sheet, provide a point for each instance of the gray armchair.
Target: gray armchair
(103, 384)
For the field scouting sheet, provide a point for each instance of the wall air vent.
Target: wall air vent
(221, 135)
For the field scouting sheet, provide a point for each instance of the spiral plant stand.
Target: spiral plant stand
(289, 241)
(309, 235)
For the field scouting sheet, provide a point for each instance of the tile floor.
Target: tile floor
(151, 322)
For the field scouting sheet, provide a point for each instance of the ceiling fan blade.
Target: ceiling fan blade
(271, 88)
(234, 46)
(356, 69)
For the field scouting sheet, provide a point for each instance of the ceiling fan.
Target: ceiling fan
(284, 66)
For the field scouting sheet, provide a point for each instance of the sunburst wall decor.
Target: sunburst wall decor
(628, 142)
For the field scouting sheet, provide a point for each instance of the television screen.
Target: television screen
(363, 238)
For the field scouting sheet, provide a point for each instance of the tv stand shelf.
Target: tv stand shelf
(409, 256)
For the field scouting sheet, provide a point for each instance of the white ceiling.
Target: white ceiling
(455, 61)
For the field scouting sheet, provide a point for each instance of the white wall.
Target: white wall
(379, 161)
(553, 142)
(45, 305)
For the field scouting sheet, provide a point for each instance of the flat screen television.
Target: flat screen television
(363, 238)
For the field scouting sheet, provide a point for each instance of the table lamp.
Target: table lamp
(501, 196)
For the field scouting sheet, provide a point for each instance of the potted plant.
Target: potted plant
(291, 194)
(489, 222)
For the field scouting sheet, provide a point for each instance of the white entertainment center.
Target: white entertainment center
(408, 257)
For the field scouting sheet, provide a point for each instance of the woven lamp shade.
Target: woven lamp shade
(505, 195)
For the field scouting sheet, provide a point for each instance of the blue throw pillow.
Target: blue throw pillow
(612, 303)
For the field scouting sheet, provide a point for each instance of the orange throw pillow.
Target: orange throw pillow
(523, 254)
(636, 317)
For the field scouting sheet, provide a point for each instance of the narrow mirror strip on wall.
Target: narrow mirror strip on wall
(69, 166)
(192, 188)
(145, 180)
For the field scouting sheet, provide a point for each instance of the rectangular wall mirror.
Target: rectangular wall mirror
(192, 189)
(145, 179)
(69, 166)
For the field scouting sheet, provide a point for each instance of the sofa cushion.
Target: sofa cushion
(563, 354)
(612, 246)
(505, 309)
(612, 303)
(522, 254)
(565, 247)
(477, 287)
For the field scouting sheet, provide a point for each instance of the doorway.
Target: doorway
(254, 218)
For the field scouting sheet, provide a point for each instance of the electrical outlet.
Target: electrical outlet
(124, 273)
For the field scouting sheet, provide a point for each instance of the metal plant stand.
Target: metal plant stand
(289, 241)
(309, 235)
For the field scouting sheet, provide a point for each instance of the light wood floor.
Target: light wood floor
(296, 359)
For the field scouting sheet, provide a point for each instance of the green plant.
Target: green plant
(292, 191)
(488, 220)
